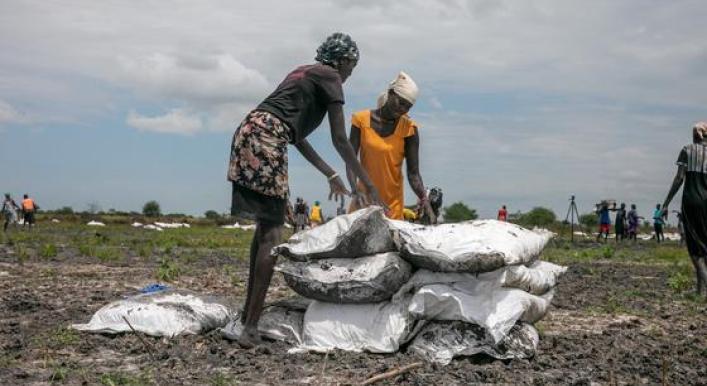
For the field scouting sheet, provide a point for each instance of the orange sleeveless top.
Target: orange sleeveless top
(382, 157)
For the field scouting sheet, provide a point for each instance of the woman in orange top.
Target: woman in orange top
(383, 138)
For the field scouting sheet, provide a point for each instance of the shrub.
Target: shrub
(589, 220)
(151, 209)
(538, 216)
(459, 212)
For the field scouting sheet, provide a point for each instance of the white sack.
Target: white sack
(494, 308)
(276, 323)
(136, 225)
(95, 224)
(538, 278)
(361, 233)
(361, 280)
(441, 342)
(373, 327)
(474, 246)
(165, 313)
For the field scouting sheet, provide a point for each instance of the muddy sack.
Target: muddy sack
(367, 279)
(372, 327)
(440, 342)
(276, 323)
(474, 246)
(164, 313)
(496, 309)
(361, 233)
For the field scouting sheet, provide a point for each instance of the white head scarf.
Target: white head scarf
(403, 86)
(699, 132)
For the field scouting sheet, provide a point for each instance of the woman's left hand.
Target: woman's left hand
(337, 189)
(427, 210)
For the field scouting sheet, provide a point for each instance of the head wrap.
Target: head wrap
(337, 46)
(699, 132)
(403, 86)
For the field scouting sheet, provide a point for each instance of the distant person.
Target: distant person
(258, 159)
(620, 223)
(301, 217)
(9, 211)
(604, 221)
(692, 171)
(502, 214)
(28, 209)
(633, 223)
(658, 223)
(385, 138)
(315, 215)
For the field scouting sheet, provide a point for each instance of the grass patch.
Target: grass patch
(48, 251)
(168, 271)
(116, 378)
(60, 337)
(108, 253)
(222, 379)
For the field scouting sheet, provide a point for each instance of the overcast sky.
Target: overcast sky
(522, 103)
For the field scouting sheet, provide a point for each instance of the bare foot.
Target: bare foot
(249, 338)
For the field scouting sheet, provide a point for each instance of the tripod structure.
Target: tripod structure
(572, 214)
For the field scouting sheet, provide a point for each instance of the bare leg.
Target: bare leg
(268, 236)
(701, 272)
(251, 274)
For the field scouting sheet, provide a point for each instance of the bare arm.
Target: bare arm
(677, 182)
(412, 161)
(313, 157)
(355, 140)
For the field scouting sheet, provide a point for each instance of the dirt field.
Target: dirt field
(620, 316)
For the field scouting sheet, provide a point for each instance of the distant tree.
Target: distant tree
(212, 215)
(459, 212)
(589, 220)
(151, 209)
(538, 216)
(65, 210)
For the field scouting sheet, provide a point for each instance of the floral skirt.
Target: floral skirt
(258, 168)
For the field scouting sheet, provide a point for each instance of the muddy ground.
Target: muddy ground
(613, 321)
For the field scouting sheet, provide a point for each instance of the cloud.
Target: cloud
(176, 121)
(10, 115)
(200, 80)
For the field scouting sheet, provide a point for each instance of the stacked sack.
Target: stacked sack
(448, 290)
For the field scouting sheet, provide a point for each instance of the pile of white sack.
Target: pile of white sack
(442, 291)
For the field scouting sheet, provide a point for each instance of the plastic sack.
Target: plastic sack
(374, 327)
(164, 313)
(361, 233)
(368, 279)
(276, 323)
(494, 308)
(537, 279)
(474, 246)
(441, 342)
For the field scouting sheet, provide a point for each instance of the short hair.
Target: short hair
(336, 47)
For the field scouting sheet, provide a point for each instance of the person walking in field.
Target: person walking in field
(692, 172)
(301, 218)
(28, 209)
(620, 223)
(658, 222)
(315, 215)
(258, 159)
(502, 214)
(633, 223)
(384, 138)
(9, 211)
(604, 221)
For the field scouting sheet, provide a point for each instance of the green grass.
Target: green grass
(48, 251)
(169, 270)
(117, 378)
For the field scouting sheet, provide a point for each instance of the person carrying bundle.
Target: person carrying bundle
(384, 137)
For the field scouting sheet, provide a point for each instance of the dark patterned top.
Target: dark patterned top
(302, 99)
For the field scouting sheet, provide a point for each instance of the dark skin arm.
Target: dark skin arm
(412, 161)
(335, 112)
(677, 182)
